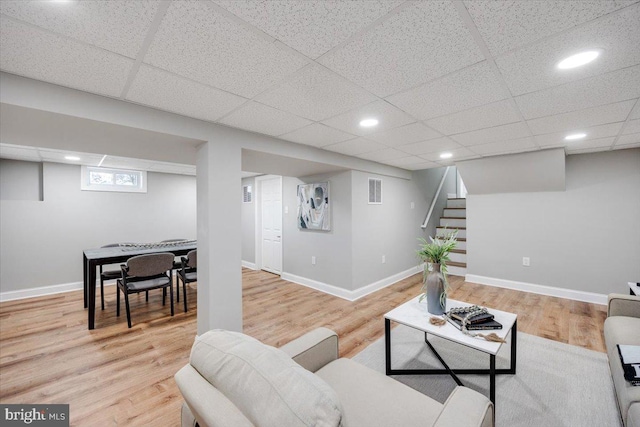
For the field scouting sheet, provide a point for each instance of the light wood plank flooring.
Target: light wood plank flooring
(119, 376)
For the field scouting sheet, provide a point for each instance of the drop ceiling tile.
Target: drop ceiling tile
(534, 68)
(198, 42)
(403, 161)
(413, 132)
(388, 116)
(608, 88)
(17, 152)
(573, 146)
(632, 127)
(595, 132)
(587, 117)
(33, 53)
(264, 119)
(169, 92)
(494, 134)
(117, 26)
(423, 41)
(383, 155)
(458, 154)
(355, 147)
(317, 94)
(626, 147)
(317, 135)
(485, 116)
(636, 112)
(420, 166)
(504, 147)
(507, 25)
(310, 27)
(433, 145)
(471, 87)
(626, 140)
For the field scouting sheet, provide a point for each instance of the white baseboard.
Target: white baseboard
(38, 292)
(347, 294)
(590, 297)
(249, 265)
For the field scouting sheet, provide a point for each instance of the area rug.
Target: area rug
(556, 384)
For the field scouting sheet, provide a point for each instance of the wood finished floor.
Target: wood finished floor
(119, 376)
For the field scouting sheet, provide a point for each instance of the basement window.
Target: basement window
(375, 191)
(120, 180)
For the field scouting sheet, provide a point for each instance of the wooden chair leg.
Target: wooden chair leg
(178, 287)
(146, 296)
(126, 301)
(164, 295)
(171, 296)
(102, 291)
(184, 291)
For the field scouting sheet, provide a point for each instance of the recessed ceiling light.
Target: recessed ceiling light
(446, 155)
(578, 59)
(74, 158)
(367, 123)
(574, 136)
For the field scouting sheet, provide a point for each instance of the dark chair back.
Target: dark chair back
(192, 259)
(149, 265)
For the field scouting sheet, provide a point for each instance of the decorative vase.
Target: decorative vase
(436, 296)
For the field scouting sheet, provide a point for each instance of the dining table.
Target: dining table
(92, 258)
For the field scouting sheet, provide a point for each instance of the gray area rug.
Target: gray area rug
(556, 384)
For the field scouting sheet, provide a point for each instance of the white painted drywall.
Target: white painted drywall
(20, 180)
(586, 238)
(249, 223)
(42, 242)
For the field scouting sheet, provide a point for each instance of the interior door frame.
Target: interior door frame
(258, 220)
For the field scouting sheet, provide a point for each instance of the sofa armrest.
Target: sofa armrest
(207, 405)
(466, 407)
(623, 305)
(314, 349)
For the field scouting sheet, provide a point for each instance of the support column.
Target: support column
(219, 237)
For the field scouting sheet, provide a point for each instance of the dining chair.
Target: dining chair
(144, 273)
(176, 264)
(108, 275)
(187, 274)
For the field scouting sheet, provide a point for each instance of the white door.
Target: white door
(272, 225)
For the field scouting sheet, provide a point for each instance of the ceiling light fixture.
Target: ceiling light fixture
(367, 123)
(446, 155)
(578, 59)
(574, 136)
(74, 158)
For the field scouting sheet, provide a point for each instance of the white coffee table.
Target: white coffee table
(634, 289)
(415, 315)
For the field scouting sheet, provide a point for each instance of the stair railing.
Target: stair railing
(435, 198)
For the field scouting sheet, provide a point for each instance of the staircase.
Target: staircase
(454, 218)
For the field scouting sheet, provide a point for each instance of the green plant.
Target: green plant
(436, 252)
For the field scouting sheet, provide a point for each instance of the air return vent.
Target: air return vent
(375, 191)
(247, 195)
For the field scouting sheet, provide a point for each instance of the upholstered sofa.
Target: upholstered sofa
(233, 380)
(623, 327)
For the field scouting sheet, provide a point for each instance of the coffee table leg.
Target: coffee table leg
(492, 379)
(387, 345)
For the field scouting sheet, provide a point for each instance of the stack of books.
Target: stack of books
(630, 358)
(477, 318)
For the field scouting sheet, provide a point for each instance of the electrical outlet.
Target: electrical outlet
(286, 209)
(413, 205)
(526, 261)
(384, 259)
(313, 260)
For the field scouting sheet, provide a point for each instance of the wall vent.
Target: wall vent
(375, 191)
(247, 195)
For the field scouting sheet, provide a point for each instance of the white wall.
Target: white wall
(390, 229)
(586, 238)
(332, 249)
(42, 242)
(20, 180)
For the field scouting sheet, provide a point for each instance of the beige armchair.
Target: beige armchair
(622, 326)
(342, 393)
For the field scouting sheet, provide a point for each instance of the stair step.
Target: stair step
(457, 264)
(451, 228)
(457, 198)
(453, 217)
(456, 203)
(459, 251)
